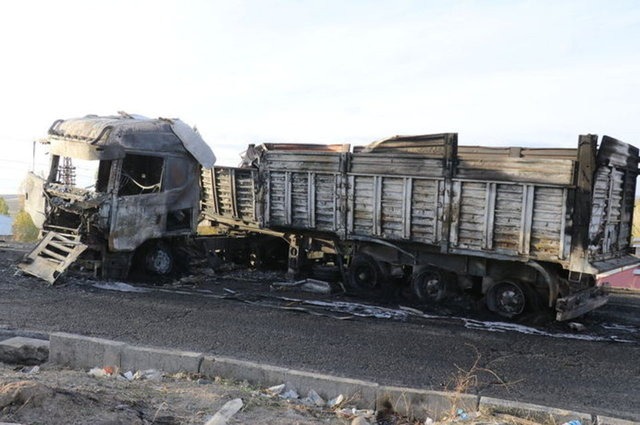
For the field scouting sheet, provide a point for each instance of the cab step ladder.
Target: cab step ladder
(52, 256)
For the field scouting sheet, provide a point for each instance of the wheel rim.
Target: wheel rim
(160, 261)
(429, 286)
(509, 298)
(365, 276)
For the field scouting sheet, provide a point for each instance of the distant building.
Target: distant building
(6, 223)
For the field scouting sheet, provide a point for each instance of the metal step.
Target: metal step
(52, 256)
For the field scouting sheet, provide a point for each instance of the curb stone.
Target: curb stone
(76, 351)
(605, 420)
(21, 350)
(241, 370)
(171, 361)
(532, 411)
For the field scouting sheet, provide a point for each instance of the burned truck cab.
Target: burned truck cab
(118, 188)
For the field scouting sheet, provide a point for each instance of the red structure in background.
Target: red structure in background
(628, 279)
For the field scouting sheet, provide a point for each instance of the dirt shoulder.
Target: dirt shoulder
(54, 396)
(48, 394)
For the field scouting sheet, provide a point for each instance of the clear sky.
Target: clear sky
(533, 73)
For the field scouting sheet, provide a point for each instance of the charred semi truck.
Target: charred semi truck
(528, 228)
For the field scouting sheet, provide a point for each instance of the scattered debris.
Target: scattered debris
(314, 399)
(275, 390)
(226, 412)
(578, 327)
(290, 394)
(30, 370)
(308, 285)
(336, 402)
(120, 287)
(150, 375)
(352, 412)
(462, 415)
(112, 372)
(101, 372)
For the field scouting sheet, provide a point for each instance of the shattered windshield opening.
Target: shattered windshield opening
(89, 175)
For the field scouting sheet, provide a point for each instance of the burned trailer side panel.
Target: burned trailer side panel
(613, 199)
(304, 190)
(396, 197)
(230, 195)
(490, 201)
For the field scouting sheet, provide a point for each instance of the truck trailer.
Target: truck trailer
(528, 228)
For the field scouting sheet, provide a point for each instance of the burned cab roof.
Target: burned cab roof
(108, 137)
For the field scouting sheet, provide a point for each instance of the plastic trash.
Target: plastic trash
(30, 370)
(462, 415)
(573, 422)
(100, 372)
(314, 398)
(428, 421)
(149, 374)
(226, 412)
(336, 401)
(290, 395)
(275, 390)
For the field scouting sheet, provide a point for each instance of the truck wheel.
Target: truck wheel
(508, 298)
(366, 274)
(159, 259)
(429, 286)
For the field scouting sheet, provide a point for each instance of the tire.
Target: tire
(429, 286)
(366, 274)
(509, 298)
(159, 259)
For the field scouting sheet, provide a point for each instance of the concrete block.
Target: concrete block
(25, 351)
(240, 370)
(532, 411)
(421, 404)
(171, 361)
(77, 351)
(361, 393)
(606, 420)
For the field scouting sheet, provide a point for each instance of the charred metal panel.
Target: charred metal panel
(427, 146)
(533, 170)
(230, 193)
(304, 189)
(472, 215)
(425, 200)
(396, 165)
(137, 219)
(507, 218)
(546, 226)
(613, 197)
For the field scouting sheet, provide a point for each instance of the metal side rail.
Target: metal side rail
(52, 256)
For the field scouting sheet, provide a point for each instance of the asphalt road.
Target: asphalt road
(598, 374)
